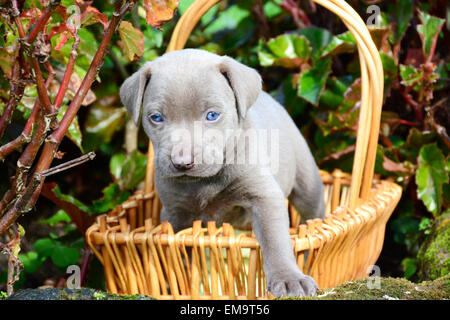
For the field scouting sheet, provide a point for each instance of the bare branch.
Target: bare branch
(28, 196)
(15, 95)
(67, 165)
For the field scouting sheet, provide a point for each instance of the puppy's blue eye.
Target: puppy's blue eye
(212, 116)
(157, 117)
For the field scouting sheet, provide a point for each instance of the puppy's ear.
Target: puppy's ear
(244, 81)
(132, 91)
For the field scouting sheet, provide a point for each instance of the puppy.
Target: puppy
(201, 112)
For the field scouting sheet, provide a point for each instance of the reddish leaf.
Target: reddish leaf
(74, 85)
(352, 95)
(6, 61)
(339, 154)
(62, 11)
(65, 31)
(414, 57)
(392, 166)
(160, 11)
(32, 13)
(132, 43)
(91, 16)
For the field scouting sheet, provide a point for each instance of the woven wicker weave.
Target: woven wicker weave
(142, 255)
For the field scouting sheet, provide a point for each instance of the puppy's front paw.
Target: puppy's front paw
(296, 284)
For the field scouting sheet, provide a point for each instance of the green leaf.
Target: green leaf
(88, 48)
(318, 39)
(133, 170)
(74, 132)
(425, 225)
(153, 38)
(429, 30)
(430, 177)
(116, 164)
(334, 92)
(311, 82)
(59, 216)
(227, 20)
(286, 95)
(112, 196)
(402, 227)
(104, 118)
(416, 139)
(289, 46)
(390, 69)
(409, 267)
(410, 75)
(272, 10)
(27, 102)
(403, 11)
(285, 50)
(341, 43)
(31, 261)
(45, 246)
(64, 256)
(132, 41)
(72, 200)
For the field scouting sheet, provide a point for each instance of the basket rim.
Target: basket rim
(384, 194)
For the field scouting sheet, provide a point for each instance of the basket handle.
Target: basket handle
(372, 82)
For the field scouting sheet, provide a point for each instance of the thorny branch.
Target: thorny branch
(11, 249)
(23, 194)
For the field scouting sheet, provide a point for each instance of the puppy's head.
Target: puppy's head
(190, 103)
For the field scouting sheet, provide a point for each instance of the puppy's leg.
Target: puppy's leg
(271, 226)
(178, 220)
(307, 195)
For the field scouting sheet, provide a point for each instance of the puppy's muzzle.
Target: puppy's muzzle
(183, 166)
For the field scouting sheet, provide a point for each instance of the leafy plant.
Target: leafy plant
(414, 141)
(50, 58)
(308, 61)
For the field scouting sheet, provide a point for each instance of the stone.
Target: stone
(433, 259)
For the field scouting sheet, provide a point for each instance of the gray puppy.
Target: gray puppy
(198, 178)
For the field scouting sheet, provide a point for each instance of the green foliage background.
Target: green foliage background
(312, 69)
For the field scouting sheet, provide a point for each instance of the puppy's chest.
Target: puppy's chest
(215, 204)
(221, 209)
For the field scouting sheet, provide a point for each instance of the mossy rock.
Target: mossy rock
(434, 257)
(71, 294)
(388, 289)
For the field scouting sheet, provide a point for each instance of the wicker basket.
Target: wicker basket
(140, 255)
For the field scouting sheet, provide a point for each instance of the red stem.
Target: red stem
(15, 95)
(67, 74)
(41, 89)
(6, 149)
(299, 16)
(29, 197)
(39, 26)
(16, 14)
(415, 105)
(408, 123)
(85, 265)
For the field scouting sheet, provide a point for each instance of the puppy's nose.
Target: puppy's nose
(183, 166)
